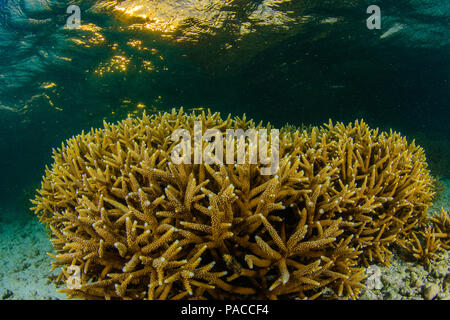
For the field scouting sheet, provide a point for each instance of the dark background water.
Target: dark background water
(319, 72)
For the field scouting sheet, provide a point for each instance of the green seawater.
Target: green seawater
(292, 61)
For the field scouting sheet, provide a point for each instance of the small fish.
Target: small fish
(48, 85)
(2, 107)
(196, 109)
(394, 29)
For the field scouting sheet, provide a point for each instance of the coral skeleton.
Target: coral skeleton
(139, 226)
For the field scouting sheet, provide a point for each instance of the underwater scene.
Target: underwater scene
(225, 149)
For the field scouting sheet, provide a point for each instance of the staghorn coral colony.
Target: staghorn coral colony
(141, 227)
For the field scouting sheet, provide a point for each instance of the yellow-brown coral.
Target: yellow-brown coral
(441, 225)
(424, 243)
(140, 227)
(426, 250)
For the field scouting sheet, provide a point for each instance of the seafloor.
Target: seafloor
(25, 272)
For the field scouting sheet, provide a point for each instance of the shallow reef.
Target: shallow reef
(139, 226)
